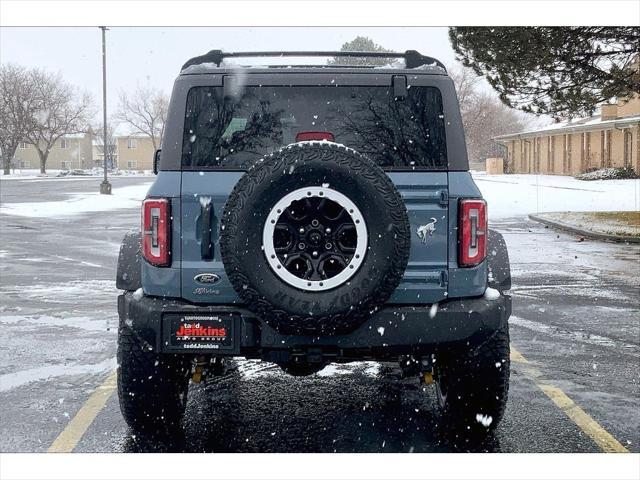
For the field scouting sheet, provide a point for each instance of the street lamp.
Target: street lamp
(105, 186)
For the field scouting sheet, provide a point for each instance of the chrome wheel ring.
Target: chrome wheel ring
(315, 238)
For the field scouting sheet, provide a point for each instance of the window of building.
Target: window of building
(22, 145)
(64, 143)
(628, 147)
(132, 164)
(65, 165)
(132, 143)
(24, 164)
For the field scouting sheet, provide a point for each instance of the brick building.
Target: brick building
(608, 139)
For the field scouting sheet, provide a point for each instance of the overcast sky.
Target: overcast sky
(140, 55)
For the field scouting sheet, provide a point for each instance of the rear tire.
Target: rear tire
(152, 388)
(472, 387)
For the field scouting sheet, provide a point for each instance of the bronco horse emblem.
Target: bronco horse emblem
(427, 230)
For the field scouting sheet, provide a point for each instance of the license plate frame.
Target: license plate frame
(201, 332)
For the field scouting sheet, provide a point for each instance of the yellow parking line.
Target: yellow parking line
(71, 435)
(588, 425)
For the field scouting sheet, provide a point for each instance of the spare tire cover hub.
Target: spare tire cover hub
(325, 216)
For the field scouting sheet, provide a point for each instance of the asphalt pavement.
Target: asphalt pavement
(575, 333)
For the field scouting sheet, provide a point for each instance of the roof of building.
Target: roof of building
(576, 125)
(75, 135)
(125, 130)
(614, 117)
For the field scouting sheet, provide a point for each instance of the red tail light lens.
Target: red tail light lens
(156, 231)
(472, 231)
(306, 136)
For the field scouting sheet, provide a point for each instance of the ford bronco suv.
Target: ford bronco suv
(310, 214)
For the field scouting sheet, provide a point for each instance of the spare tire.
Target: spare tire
(314, 238)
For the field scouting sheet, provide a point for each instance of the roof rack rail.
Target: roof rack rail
(412, 58)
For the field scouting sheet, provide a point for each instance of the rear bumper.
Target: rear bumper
(392, 331)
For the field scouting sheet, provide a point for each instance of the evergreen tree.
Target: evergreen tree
(559, 71)
(361, 44)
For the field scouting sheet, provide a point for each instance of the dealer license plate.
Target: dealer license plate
(200, 332)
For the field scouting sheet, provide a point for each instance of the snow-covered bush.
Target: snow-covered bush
(609, 174)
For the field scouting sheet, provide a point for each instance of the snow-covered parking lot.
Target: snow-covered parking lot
(507, 196)
(516, 195)
(81, 202)
(575, 321)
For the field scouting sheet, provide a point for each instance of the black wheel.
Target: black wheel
(472, 387)
(152, 388)
(301, 369)
(314, 238)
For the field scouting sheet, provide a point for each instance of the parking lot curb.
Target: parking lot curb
(585, 233)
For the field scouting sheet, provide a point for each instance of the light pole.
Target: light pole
(105, 186)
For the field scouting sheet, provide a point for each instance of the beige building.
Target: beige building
(135, 152)
(69, 152)
(609, 139)
(84, 151)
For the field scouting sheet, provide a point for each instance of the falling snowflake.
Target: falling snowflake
(485, 420)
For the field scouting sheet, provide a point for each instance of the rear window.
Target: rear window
(235, 132)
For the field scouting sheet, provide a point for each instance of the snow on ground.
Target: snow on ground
(71, 292)
(513, 195)
(33, 323)
(29, 173)
(257, 369)
(17, 379)
(22, 173)
(507, 196)
(78, 203)
(595, 222)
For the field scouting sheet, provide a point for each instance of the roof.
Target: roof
(125, 130)
(215, 60)
(209, 68)
(75, 135)
(594, 122)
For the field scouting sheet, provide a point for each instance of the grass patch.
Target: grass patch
(632, 219)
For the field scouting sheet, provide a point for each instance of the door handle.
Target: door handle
(206, 247)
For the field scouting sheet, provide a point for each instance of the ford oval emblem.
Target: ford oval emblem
(207, 278)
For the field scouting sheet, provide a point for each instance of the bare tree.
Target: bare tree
(18, 103)
(484, 116)
(111, 147)
(62, 110)
(145, 112)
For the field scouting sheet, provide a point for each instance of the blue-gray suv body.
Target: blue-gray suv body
(304, 215)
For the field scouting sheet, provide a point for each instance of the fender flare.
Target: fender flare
(129, 272)
(499, 269)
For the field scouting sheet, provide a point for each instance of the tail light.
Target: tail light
(472, 231)
(156, 231)
(306, 136)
